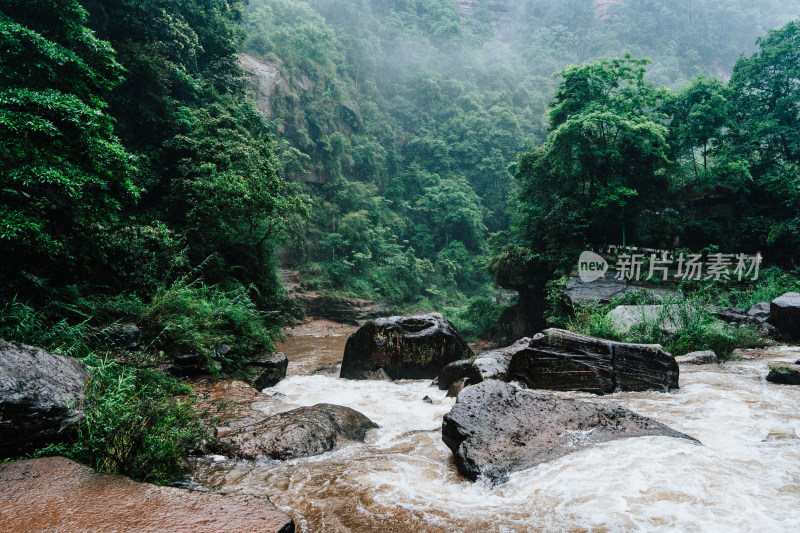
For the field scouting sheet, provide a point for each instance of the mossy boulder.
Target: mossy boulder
(412, 347)
(784, 374)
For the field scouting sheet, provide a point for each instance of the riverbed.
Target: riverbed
(745, 477)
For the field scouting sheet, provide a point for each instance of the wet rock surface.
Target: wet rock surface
(496, 428)
(301, 432)
(785, 314)
(703, 357)
(487, 365)
(41, 397)
(56, 494)
(558, 359)
(414, 347)
(268, 369)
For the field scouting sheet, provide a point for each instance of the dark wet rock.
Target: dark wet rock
(760, 311)
(557, 359)
(378, 375)
(343, 310)
(703, 357)
(331, 369)
(783, 374)
(496, 428)
(127, 336)
(427, 399)
(757, 316)
(605, 289)
(301, 432)
(67, 496)
(269, 369)
(41, 397)
(455, 371)
(414, 347)
(785, 314)
(602, 290)
(189, 365)
(487, 365)
(456, 387)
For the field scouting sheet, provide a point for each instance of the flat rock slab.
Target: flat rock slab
(558, 359)
(41, 397)
(411, 347)
(301, 432)
(58, 495)
(496, 428)
(703, 357)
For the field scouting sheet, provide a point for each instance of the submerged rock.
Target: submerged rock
(558, 359)
(41, 397)
(301, 432)
(783, 374)
(703, 357)
(496, 428)
(56, 494)
(414, 347)
(785, 314)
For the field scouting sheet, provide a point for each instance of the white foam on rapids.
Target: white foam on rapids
(745, 477)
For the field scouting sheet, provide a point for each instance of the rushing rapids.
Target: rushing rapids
(746, 477)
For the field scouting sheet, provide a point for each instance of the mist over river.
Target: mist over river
(746, 477)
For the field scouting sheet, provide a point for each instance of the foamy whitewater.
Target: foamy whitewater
(745, 477)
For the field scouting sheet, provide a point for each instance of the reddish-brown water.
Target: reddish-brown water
(746, 477)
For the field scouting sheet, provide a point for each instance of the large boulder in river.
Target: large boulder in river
(557, 359)
(496, 428)
(56, 494)
(301, 432)
(785, 314)
(41, 397)
(412, 347)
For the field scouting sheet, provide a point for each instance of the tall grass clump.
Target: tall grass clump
(24, 324)
(138, 422)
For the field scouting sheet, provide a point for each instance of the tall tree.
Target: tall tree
(62, 170)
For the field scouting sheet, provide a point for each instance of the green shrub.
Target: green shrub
(696, 327)
(135, 424)
(197, 318)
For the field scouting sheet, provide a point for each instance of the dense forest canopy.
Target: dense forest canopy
(140, 182)
(403, 117)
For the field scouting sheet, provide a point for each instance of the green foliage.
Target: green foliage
(695, 328)
(478, 319)
(62, 170)
(21, 323)
(197, 318)
(139, 422)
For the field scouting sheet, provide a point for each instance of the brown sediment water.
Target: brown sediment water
(314, 344)
(746, 476)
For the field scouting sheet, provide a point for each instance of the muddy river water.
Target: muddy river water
(746, 476)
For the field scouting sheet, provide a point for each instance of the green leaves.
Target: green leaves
(61, 168)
